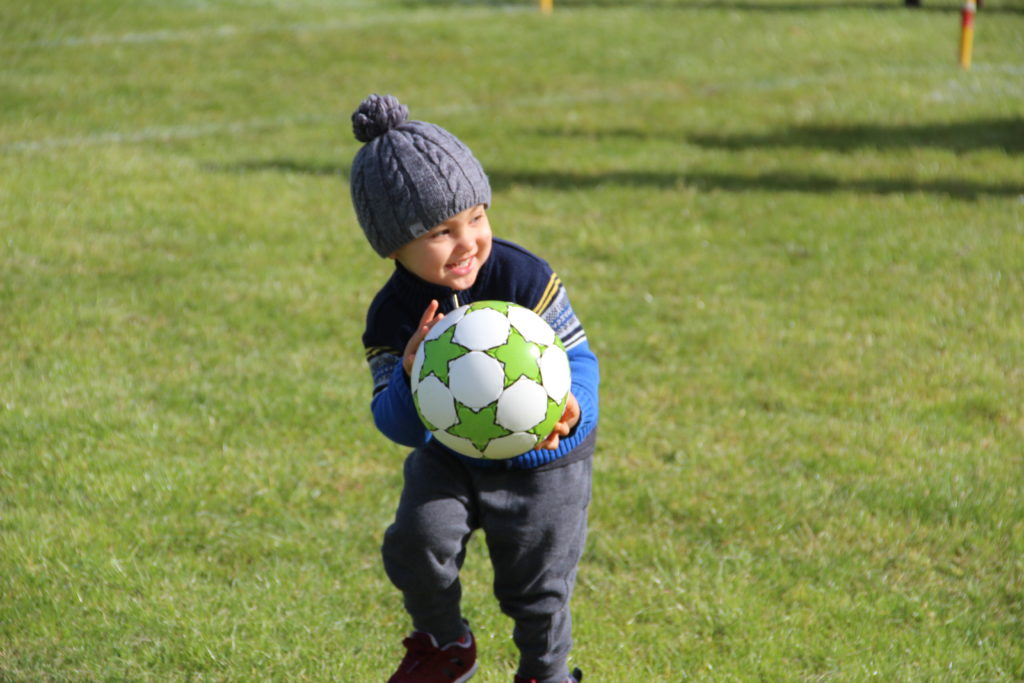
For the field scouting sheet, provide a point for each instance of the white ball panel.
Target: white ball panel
(436, 402)
(510, 446)
(444, 323)
(476, 379)
(531, 325)
(522, 406)
(482, 329)
(457, 443)
(555, 373)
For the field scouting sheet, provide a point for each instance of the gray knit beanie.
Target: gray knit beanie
(409, 176)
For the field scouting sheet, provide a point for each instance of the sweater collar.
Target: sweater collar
(415, 289)
(419, 292)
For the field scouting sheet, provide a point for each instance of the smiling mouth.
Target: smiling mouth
(461, 265)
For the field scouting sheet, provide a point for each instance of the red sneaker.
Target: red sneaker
(425, 662)
(577, 677)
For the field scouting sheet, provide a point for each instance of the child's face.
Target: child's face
(450, 254)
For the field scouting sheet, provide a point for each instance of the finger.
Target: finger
(549, 443)
(572, 408)
(428, 320)
(428, 315)
(560, 429)
(429, 326)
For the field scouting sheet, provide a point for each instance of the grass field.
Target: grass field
(793, 229)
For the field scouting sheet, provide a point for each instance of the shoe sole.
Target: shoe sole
(468, 675)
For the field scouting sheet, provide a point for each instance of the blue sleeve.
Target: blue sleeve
(394, 412)
(586, 377)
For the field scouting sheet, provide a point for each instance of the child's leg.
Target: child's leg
(536, 526)
(426, 545)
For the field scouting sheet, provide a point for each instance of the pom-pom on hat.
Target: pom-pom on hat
(410, 175)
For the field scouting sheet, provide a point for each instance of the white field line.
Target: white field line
(200, 34)
(161, 133)
(243, 126)
(240, 127)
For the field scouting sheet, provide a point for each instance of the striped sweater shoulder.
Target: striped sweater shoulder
(536, 286)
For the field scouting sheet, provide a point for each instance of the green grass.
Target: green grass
(794, 231)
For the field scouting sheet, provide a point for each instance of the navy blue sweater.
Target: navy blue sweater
(511, 273)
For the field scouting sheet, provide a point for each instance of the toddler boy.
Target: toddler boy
(421, 198)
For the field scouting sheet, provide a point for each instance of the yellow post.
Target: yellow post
(546, 6)
(967, 33)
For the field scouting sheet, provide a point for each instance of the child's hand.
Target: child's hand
(429, 319)
(570, 417)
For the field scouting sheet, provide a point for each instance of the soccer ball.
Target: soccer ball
(490, 379)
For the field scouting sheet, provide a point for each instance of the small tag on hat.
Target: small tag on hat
(417, 229)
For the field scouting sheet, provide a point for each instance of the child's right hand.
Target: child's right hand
(570, 418)
(429, 319)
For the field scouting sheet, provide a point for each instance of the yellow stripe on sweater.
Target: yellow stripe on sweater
(549, 294)
(374, 351)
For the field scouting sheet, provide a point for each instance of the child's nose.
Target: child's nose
(465, 239)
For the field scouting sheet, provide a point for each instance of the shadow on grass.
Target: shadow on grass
(1005, 134)
(765, 182)
(727, 182)
(280, 166)
(961, 136)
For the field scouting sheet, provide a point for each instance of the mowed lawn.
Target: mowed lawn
(793, 229)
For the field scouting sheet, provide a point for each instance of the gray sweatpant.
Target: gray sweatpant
(535, 523)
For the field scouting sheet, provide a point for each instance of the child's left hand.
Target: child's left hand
(430, 318)
(569, 419)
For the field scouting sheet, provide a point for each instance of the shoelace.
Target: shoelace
(416, 649)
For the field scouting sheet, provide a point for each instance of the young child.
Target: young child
(421, 198)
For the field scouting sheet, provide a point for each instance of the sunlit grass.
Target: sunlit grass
(794, 232)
